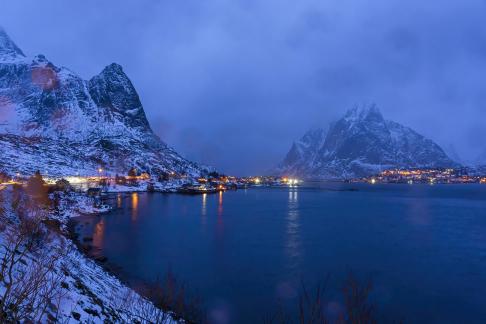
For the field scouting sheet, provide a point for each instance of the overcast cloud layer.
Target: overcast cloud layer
(233, 83)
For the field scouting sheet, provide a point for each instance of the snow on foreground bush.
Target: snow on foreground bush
(44, 278)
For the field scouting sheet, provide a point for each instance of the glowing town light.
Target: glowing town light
(76, 180)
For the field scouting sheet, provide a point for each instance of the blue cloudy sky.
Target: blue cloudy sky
(233, 83)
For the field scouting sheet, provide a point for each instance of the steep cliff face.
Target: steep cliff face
(53, 120)
(359, 144)
(113, 92)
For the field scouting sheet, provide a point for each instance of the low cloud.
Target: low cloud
(246, 78)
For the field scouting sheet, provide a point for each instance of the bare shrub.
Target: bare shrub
(356, 295)
(170, 295)
(28, 264)
(311, 308)
(139, 309)
(168, 301)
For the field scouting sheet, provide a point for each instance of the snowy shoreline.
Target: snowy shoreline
(90, 293)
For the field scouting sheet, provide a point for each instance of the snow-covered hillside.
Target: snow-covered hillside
(54, 121)
(49, 279)
(359, 144)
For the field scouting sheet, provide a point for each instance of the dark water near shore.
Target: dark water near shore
(424, 247)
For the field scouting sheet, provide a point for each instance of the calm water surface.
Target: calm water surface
(423, 246)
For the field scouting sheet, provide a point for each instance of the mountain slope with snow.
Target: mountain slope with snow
(359, 144)
(54, 121)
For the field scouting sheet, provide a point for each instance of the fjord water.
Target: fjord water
(244, 252)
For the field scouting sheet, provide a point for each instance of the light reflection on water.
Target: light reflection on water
(420, 245)
(293, 245)
(98, 233)
(134, 206)
(204, 210)
(220, 221)
(220, 204)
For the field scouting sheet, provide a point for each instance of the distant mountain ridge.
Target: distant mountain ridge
(54, 121)
(360, 144)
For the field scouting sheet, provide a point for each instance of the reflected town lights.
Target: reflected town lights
(204, 201)
(98, 233)
(134, 200)
(220, 204)
(119, 200)
(134, 206)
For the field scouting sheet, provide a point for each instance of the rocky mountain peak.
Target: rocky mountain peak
(8, 49)
(53, 120)
(360, 144)
(114, 69)
(313, 135)
(367, 113)
(40, 59)
(113, 91)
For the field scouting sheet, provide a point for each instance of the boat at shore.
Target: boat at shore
(200, 189)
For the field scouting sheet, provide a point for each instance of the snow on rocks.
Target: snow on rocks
(360, 144)
(85, 292)
(54, 121)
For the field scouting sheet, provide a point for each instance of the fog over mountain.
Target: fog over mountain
(360, 144)
(232, 83)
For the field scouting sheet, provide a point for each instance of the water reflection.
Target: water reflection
(204, 210)
(134, 206)
(220, 223)
(98, 233)
(293, 242)
(220, 204)
(118, 201)
(204, 202)
(419, 213)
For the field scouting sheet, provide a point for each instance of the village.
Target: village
(428, 176)
(139, 181)
(171, 182)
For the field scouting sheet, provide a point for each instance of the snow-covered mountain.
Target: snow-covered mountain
(53, 120)
(360, 144)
